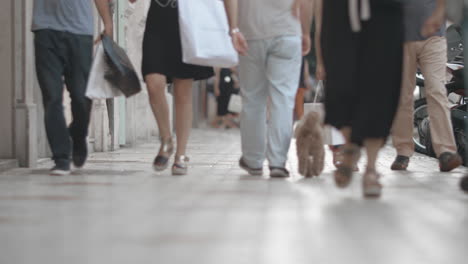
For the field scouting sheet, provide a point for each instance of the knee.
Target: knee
(156, 90)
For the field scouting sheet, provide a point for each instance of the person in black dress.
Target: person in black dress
(226, 84)
(162, 64)
(362, 59)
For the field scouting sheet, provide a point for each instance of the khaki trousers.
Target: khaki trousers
(431, 56)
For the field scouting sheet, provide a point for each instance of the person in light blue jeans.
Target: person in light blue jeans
(269, 37)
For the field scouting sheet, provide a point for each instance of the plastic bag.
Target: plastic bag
(205, 38)
(121, 73)
(98, 87)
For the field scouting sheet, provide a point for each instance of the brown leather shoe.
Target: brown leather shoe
(401, 163)
(449, 161)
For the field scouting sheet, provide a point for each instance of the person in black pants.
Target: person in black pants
(226, 84)
(361, 47)
(63, 42)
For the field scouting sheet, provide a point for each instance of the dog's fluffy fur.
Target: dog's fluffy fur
(310, 145)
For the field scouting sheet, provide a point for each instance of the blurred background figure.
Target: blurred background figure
(226, 83)
(305, 86)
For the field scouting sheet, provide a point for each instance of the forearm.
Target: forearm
(231, 11)
(318, 31)
(104, 12)
(307, 14)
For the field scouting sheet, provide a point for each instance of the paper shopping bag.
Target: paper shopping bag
(98, 87)
(204, 33)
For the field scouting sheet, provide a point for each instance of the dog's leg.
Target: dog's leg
(319, 160)
(302, 155)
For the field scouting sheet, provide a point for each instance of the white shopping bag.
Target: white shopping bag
(235, 103)
(98, 87)
(204, 33)
(332, 136)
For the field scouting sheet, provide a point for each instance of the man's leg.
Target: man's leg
(254, 91)
(402, 130)
(283, 70)
(433, 65)
(432, 61)
(78, 65)
(50, 66)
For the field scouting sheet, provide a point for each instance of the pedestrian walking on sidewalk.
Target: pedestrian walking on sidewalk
(360, 52)
(162, 64)
(63, 43)
(429, 53)
(268, 36)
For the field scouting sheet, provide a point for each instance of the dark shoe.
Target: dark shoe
(80, 152)
(464, 184)
(251, 171)
(449, 161)
(401, 163)
(277, 172)
(166, 149)
(60, 170)
(344, 173)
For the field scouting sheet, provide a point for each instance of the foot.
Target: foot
(251, 171)
(344, 172)
(161, 161)
(60, 170)
(371, 186)
(338, 158)
(464, 184)
(401, 163)
(449, 161)
(277, 172)
(180, 166)
(80, 152)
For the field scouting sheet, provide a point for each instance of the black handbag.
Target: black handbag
(120, 73)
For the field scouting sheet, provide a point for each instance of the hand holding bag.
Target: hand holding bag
(204, 32)
(332, 136)
(235, 103)
(98, 87)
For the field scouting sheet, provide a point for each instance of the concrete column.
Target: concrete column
(25, 110)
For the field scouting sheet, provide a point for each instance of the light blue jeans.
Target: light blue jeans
(270, 72)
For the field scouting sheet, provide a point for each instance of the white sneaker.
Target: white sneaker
(59, 171)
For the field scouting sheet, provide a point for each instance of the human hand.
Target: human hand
(239, 42)
(306, 44)
(433, 23)
(320, 73)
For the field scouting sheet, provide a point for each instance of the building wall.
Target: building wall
(6, 80)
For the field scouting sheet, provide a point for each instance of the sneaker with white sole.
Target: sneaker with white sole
(60, 170)
(277, 172)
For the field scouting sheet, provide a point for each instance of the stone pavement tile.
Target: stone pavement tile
(117, 210)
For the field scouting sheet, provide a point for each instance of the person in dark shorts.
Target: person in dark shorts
(63, 44)
(162, 63)
(362, 51)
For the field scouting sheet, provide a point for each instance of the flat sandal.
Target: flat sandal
(344, 173)
(166, 149)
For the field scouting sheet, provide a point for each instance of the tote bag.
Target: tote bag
(235, 103)
(332, 136)
(98, 87)
(204, 33)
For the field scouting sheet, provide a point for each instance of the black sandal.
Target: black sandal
(344, 173)
(161, 161)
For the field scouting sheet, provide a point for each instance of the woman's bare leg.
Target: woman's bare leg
(156, 84)
(184, 113)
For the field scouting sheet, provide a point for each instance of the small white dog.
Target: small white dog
(310, 145)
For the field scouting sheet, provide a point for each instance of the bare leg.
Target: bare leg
(372, 145)
(370, 183)
(184, 113)
(156, 84)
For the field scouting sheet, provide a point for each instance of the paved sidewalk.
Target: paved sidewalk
(117, 210)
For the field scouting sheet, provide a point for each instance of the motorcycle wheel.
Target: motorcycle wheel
(421, 130)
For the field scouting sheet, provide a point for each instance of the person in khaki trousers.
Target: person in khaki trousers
(430, 54)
